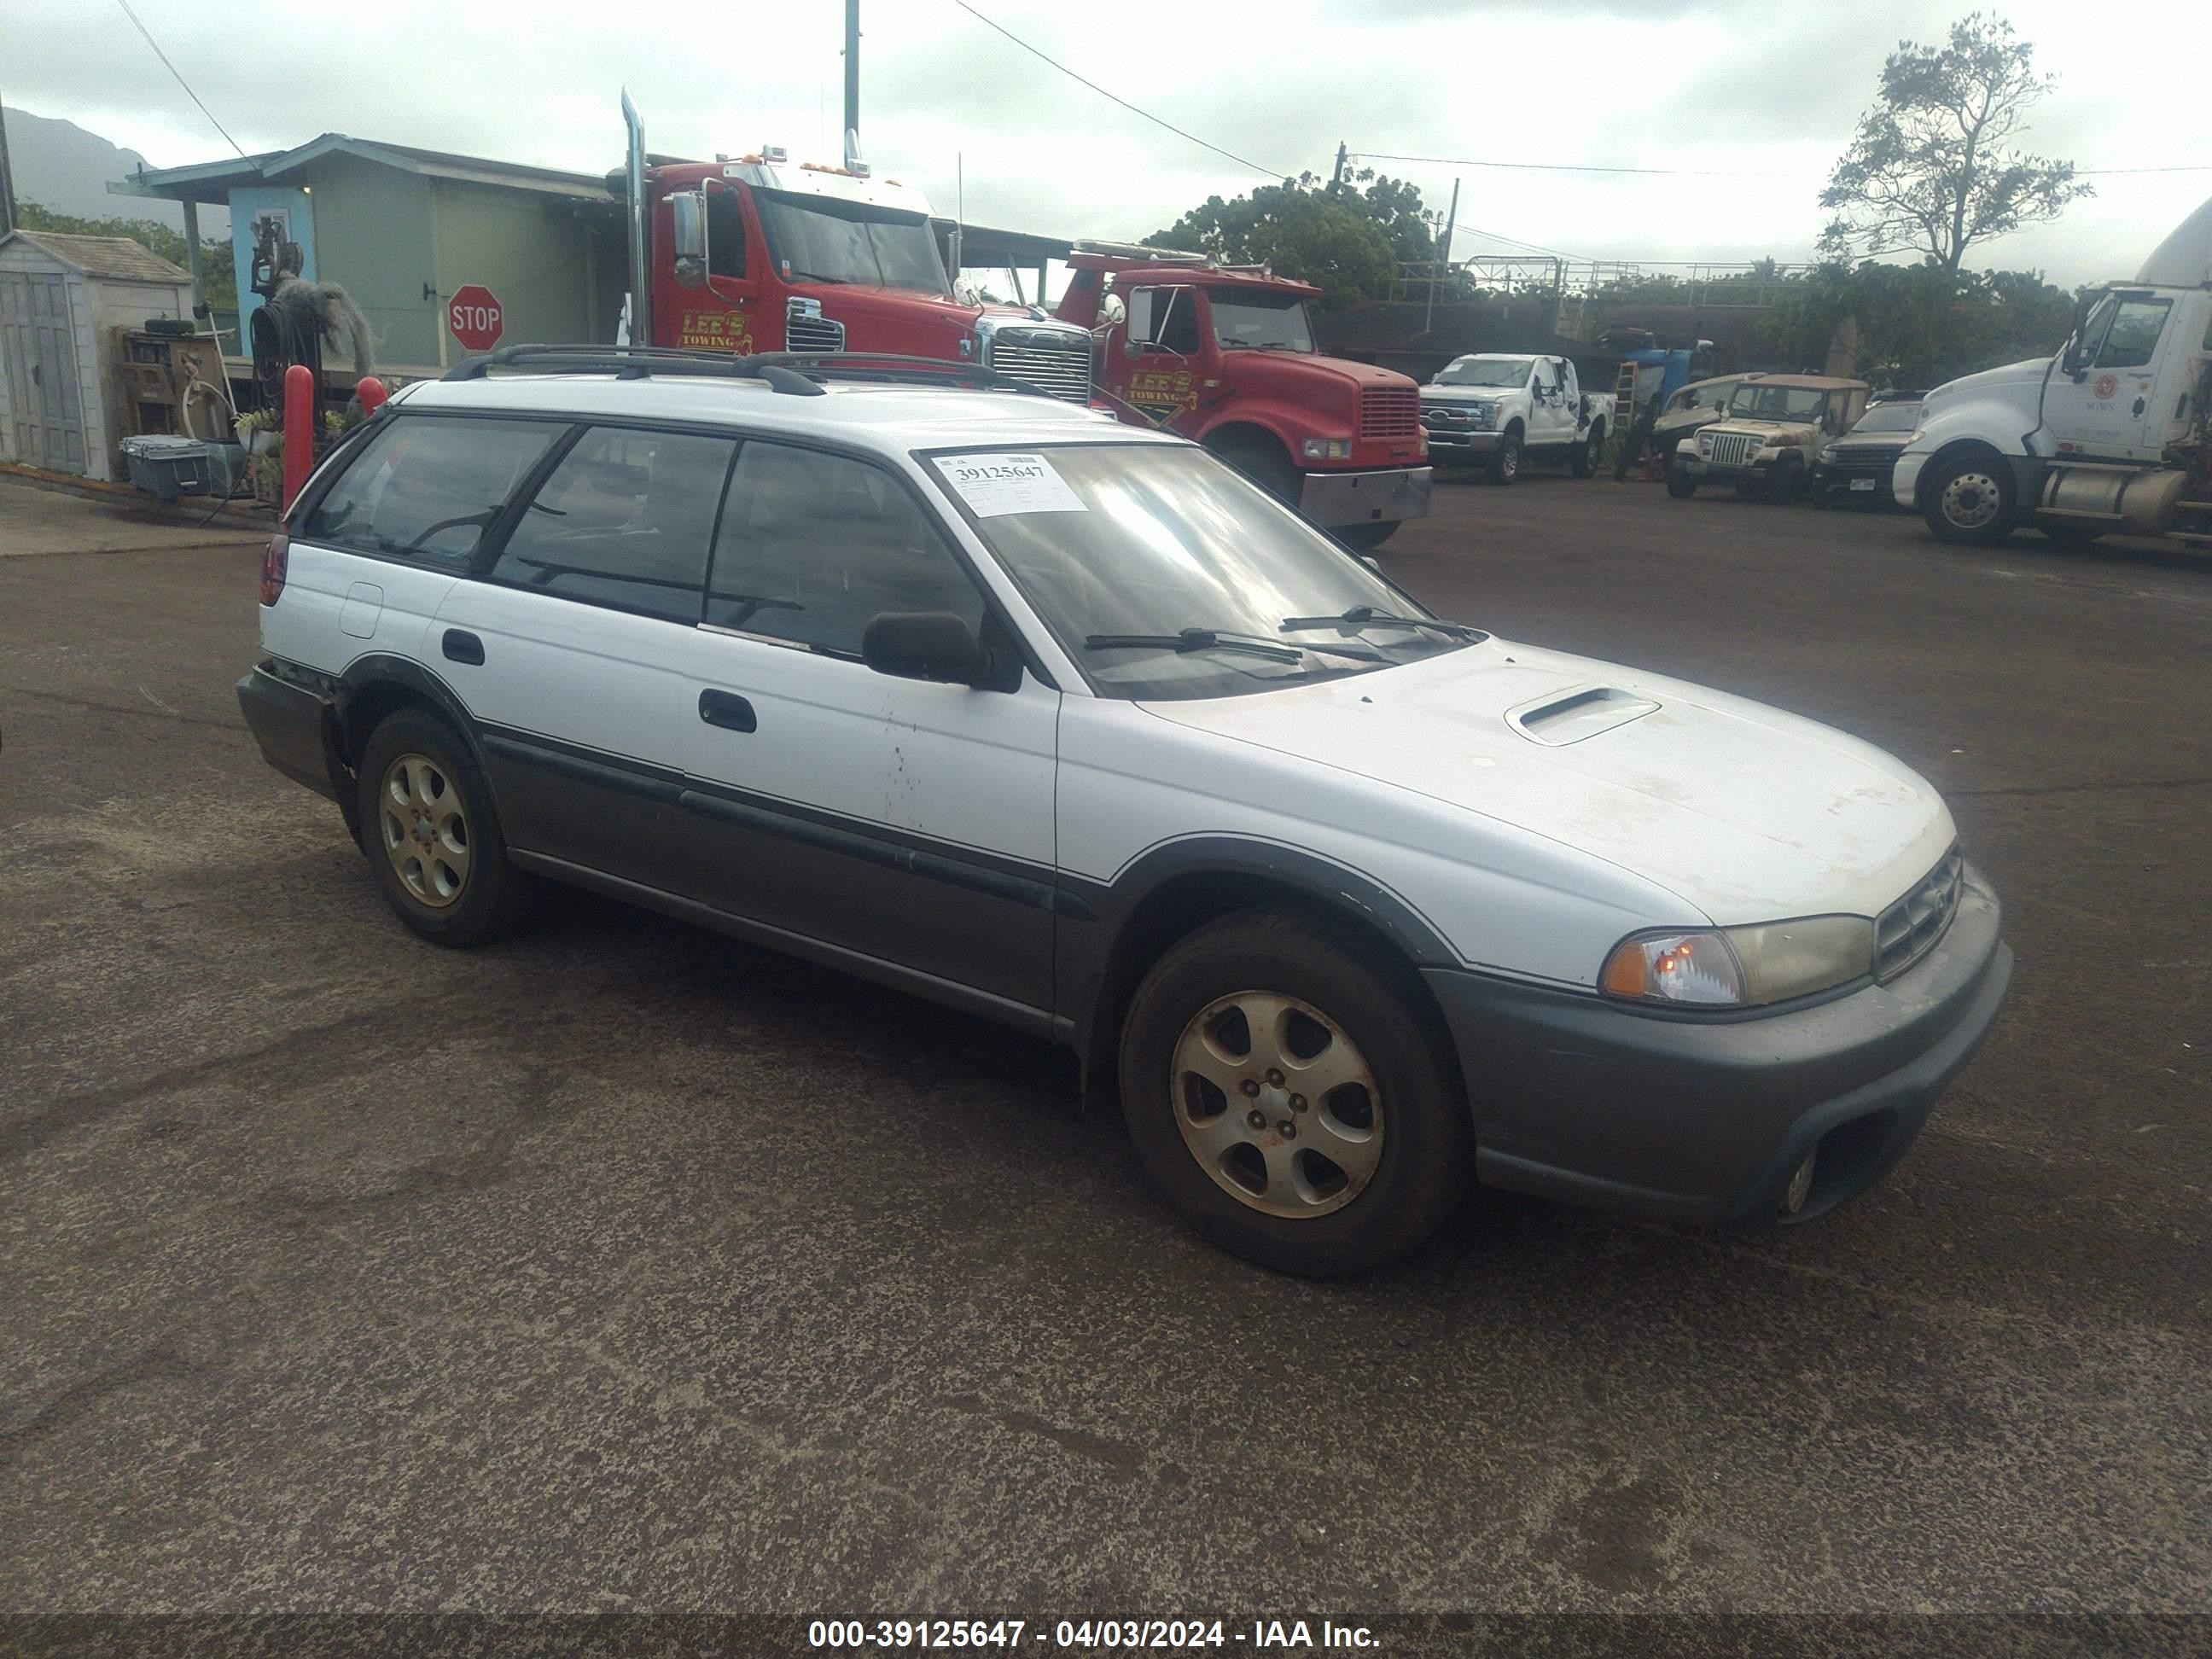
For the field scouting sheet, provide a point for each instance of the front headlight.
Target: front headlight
(1327, 449)
(1483, 417)
(1741, 967)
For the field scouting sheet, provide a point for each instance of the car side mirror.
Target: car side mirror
(927, 645)
(688, 237)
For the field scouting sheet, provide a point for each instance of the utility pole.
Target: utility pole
(852, 69)
(1443, 256)
(7, 179)
(1337, 177)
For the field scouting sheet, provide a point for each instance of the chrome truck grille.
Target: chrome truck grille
(1390, 411)
(1908, 930)
(1727, 448)
(1053, 359)
(806, 328)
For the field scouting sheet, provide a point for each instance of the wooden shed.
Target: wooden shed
(63, 299)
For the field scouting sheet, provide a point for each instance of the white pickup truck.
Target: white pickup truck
(1501, 409)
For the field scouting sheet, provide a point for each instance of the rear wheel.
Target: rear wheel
(1288, 1092)
(431, 835)
(1969, 502)
(1505, 464)
(1585, 461)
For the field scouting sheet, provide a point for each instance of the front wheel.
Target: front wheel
(1783, 479)
(1680, 484)
(1288, 1092)
(1585, 461)
(1264, 463)
(1505, 464)
(1969, 502)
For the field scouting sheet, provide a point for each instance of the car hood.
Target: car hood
(1745, 812)
(2027, 371)
(1465, 394)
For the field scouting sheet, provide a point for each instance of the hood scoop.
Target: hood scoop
(1562, 718)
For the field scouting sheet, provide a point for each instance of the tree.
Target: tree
(218, 277)
(1929, 170)
(1347, 237)
(1917, 324)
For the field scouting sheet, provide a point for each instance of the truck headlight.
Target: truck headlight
(1741, 967)
(1327, 449)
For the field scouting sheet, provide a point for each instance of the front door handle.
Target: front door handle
(728, 710)
(460, 646)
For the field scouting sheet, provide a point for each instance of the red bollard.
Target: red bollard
(298, 432)
(372, 394)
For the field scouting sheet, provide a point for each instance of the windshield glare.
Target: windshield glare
(827, 240)
(1495, 371)
(1777, 403)
(1167, 538)
(1253, 321)
(1889, 418)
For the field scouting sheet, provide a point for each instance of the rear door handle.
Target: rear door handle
(728, 710)
(462, 647)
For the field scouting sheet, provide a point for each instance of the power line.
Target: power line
(2100, 172)
(1241, 161)
(1691, 172)
(181, 82)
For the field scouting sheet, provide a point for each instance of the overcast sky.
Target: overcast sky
(1771, 87)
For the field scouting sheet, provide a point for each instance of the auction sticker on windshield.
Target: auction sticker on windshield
(996, 485)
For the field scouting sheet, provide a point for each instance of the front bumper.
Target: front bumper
(1458, 443)
(1705, 472)
(1905, 480)
(1847, 481)
(1335, 499)
(1702, 1119)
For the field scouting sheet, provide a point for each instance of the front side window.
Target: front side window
(428, 486)
(814, 546)
(1254, 321)
(725, 235)
(1494, 371)
(824, 240)
(1165, 574)
(624, 521)
(2130, 334)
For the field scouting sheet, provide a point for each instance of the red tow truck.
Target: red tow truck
(1224, 355)
(755, 252)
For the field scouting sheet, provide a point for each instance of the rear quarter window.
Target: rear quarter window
(428, 486)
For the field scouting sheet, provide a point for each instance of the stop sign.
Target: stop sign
(473, 314)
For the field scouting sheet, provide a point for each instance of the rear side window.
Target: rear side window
(813, 546)
(625, 520)
(428, 486)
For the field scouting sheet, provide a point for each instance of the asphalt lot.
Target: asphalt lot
(622, 1267)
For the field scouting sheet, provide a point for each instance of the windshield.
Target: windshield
(1708, 395)
(1761, 402)
(1889, 418)
(1115, 543)
(1487, 370)
(821, 240)
(1254, 321)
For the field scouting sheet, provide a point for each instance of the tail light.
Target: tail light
(274, 561)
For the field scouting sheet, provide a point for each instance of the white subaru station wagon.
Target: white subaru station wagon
(899, 668)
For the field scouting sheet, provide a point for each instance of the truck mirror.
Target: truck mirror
(688, 241)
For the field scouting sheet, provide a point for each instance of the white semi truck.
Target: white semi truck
(2110, 435)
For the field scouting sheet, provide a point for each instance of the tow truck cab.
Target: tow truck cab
(1224, 355)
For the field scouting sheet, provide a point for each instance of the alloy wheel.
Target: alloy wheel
(424, 829)
(1972, 501)
(1276, 1104)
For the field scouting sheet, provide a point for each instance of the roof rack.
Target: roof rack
(798, 374)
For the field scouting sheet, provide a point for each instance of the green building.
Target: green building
(402, 229)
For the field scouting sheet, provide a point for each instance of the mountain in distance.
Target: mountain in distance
(59, 165)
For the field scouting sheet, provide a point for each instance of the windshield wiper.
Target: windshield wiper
(1366, 616)
(819, 276)
(1192, 639)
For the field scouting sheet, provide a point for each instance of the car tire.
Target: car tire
(1969, 502)
(1783, 479)
(1264, 463)
(1585, 461)
(432, 836)
(1680, 484)
(1503, 466)
(1362, 538)
(1328, 997)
